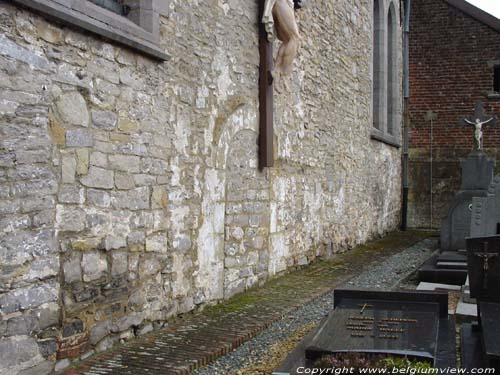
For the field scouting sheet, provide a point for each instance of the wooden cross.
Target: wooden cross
(478, 120)
(266, 102)
(485, 256)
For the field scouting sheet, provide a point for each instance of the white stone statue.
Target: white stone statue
(478, 132)
(279, 20)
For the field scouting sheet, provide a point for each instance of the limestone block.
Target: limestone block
(114, 242)
(124, 181)
(82, 161)
(72, 269)
(79, 138)
(98, 198)
(72, 109)
(48, 315)
(70, 218)
(18, 350)
(159, 197)
(48, 32)
(119, 263)
(94, 266)
(99, 159)
(149, 266)
(99, 178)
(28, 297)
(99, 331)
(105, 120)
(125, 163)
(137, 199)
(157, 243)
(68, 169)
(71, 194)
(124, 323)
(181, 243)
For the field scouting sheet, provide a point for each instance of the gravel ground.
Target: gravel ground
(260, 354)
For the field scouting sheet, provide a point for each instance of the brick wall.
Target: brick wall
(450, 69)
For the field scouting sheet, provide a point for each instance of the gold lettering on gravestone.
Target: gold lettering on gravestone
(387, 327)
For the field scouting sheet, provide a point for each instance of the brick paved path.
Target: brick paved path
(196, 339)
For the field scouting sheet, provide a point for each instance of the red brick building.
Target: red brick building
(454, 62)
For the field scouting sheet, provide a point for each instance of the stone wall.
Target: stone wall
(129, 188)
(451, 67)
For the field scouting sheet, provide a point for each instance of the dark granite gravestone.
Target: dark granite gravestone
(477, 172)
(413, 325)
(486, 212)
(450, 266)
(483, 255)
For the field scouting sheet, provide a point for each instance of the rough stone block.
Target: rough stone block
(68, 169)
(159, 197)
(72, 269)
(17, 350)
(181, 243)
(137, 199)
(148, 267)
(126, 322)
(98, 198)
(124, 181)
(94, 266)
(44, 368)
(99, 331)
(105, 120)
(99, 159)
(29, 297)
(119, 263)
(71, 194)
(70, 219)
(72, 328)
(47, 347)
(157, 243)
(99, 178)
(72, 109)
(82, 161)
(48, 315)
(62, 365)
(114, 242)
(79, 138)
(125, 163)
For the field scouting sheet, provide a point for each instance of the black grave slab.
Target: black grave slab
(421, 320)
(486, 212)
(483, 255)
(471, 347)
(484, 275)
(490, 322)
(429, 272)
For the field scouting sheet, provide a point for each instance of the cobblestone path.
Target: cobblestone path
(196, 339)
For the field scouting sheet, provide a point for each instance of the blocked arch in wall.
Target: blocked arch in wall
(240, 120)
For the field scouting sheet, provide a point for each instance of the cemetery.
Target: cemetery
(260, 187)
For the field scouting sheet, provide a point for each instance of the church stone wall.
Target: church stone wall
(129, 188)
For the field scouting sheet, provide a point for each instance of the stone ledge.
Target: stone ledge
(102, 22)
(390, 140)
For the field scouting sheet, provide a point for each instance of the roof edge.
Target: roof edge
(476, 13)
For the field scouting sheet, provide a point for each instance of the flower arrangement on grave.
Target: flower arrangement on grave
(365, 360)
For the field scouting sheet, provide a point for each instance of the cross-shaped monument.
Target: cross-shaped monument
(486, 256)
(266, 102)
(478, 120)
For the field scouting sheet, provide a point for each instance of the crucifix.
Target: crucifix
(478, 120)
(486, 256)
(266, 88)
(277, 20)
